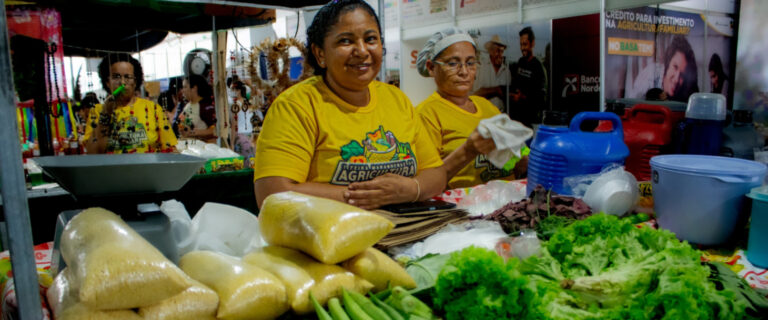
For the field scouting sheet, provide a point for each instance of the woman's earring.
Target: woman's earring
(322, 64)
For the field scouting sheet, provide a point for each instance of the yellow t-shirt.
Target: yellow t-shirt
(312, 135)
(449, 126)
(142, 127)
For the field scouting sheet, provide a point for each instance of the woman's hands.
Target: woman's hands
(477, 145)
(383, 190)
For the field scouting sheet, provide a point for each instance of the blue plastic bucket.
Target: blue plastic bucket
(757, 251)
(701, 198)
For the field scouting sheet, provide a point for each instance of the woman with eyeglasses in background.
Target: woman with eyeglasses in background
(126, 123)
(450, 115)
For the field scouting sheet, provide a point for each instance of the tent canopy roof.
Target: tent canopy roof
(115, 25)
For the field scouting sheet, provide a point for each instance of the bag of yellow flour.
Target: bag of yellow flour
(64, 303)
(114, 266)
(301, 274)
(328, 230)
(378, 268)
(197, 302)
(245, 291)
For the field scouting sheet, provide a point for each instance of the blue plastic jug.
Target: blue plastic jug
(557, 153)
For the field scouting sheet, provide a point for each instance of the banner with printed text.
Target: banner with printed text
(667, 55)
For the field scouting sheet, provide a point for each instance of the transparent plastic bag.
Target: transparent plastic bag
(612, 191)
(378, 268)
(328, 230)
(197, 302)
(115, 267)
(181, 224)
(521, 247)
(225, 229)
(580, 183)
(65, 305)
(245, 291)
(301, 274)
(485, 199)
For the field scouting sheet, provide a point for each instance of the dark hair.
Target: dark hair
(690, 75)
(326, 18)
(204, 89)
(112, 58)
(527, 31)
(716, 66)
(89, 101)
(165, 100)
(654, 94)
(231, 79)
(239, 86)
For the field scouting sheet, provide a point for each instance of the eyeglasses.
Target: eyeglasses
(128, 78)
(455, 66)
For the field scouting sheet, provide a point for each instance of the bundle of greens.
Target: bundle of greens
(606, 268)
(476, 283)
(601, 267)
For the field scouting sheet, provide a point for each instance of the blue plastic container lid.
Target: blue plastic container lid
(709, 165)
(759, 193)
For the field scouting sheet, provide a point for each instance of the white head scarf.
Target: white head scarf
(437, 43)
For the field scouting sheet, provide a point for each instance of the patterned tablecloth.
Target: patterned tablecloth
(9, 305)
(736, 260)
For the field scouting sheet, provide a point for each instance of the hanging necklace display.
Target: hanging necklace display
(235, 107)
(49, 62)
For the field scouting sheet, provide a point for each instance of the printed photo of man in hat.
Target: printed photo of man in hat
(493, 75)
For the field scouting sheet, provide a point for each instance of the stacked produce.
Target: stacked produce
(197, 302)
(302, 228)
(302, 274)
(110, 267)
(379, 269)
(113, 273)
(328, 230)
(245, 291)
(597, 268)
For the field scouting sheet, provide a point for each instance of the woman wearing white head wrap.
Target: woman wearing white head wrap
(450, 115)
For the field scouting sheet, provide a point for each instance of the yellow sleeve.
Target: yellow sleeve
(286, 144)
(431, 125)
(426, 153)
(166, 136)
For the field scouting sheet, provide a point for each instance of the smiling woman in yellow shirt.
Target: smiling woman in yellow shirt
(341, 134)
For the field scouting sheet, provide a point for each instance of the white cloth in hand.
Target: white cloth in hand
(508, 135)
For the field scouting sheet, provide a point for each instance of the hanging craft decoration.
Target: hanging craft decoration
(277, 80)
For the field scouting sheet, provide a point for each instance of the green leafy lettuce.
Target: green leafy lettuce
(476, 283)
(606, 268)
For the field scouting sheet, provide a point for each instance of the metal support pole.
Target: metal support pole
(215, 64)
(602, 55)
(14, 189)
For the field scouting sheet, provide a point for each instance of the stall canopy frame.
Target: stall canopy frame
(94, 27)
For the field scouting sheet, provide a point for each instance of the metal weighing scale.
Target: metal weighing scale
(130, 185)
